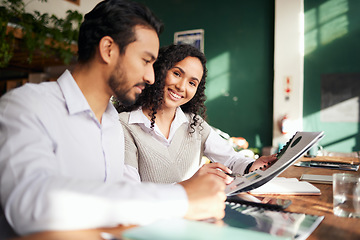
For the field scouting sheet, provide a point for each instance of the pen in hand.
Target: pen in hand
(233, 175)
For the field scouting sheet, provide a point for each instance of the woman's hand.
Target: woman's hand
(263, 162)
(217, 169)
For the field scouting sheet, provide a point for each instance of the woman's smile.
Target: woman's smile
(174, 95)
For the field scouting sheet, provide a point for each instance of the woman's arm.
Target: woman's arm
(219, 150)
(263, 162)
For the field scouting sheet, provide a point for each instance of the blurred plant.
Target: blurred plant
(49, 34)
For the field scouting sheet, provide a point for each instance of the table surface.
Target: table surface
(332, 227)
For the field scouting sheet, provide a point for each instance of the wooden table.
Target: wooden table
(332, 227)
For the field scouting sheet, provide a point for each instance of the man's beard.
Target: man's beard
(119, 93)
(122, 95)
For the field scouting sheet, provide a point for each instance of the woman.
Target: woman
(165, 132)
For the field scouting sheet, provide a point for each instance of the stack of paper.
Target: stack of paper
(281, 185)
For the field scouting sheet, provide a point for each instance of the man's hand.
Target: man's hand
(206, 195)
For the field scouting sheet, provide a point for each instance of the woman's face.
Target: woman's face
(182, 81)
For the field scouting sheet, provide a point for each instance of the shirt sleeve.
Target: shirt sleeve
(218, 149)
(36, 196)
(131, 173)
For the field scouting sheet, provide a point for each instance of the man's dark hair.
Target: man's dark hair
(117, 19)
(153, 95)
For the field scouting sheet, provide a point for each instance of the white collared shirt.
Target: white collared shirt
(216, 148)
(61, 169)
(138, 117)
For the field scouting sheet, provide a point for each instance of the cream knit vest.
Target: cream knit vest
(161, 164)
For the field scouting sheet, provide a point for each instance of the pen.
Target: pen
(231, 174)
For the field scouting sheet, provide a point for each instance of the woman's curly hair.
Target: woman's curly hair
(152, 96)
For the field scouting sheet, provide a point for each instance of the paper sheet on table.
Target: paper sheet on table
(291, 186)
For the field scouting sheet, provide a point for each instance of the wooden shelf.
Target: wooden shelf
(40, 60)
(17, 71)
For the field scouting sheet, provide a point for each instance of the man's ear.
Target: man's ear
(107, 49)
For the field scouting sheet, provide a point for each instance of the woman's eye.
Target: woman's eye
(193, 84)
(177, 74)
(146, 61)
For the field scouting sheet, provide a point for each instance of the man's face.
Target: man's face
(135, 67)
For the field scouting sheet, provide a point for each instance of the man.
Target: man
(62, 146)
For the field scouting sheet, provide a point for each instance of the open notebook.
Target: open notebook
(295, 148)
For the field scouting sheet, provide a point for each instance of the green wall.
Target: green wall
(332, 46)
(239, 48)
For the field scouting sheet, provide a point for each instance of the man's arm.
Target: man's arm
(36, 196)
(206, 194)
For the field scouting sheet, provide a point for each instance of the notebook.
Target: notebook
(324, 179)
(295, 148)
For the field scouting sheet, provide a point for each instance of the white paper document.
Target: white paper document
(295, 148)
(280, 185)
